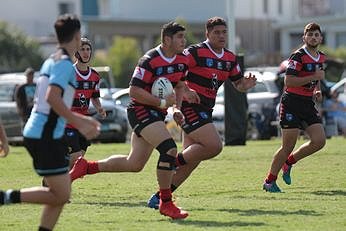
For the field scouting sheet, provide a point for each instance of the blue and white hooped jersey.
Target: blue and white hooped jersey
(57, 70)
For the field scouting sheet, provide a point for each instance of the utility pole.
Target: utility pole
(235, 101)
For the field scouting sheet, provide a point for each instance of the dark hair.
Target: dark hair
(170, 29)
(312, 27)
(29, 70)
(215, 21)
(66, 26)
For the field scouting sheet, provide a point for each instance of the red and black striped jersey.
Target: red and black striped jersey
(154, 65)
(87, 87)
(302, 64)
(208, 70)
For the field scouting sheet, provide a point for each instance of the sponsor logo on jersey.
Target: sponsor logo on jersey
(214, 83)
(138, 73)
(309, 67)
(203, 115)
(289, 117)
(219, 65)
(209, 62)
(228, 66)
(82, 100)
(170, 70)
(180, 66)
(159, 71)
(85, 85)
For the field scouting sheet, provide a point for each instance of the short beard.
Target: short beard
(311, 46)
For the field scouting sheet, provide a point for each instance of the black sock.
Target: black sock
(181, 160)
(15, 196)
(173, 187)
(40, 228)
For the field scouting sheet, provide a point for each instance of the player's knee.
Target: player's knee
(214, 148)
(168, 151)
(62, 197)
(318, 142)
(137, 167)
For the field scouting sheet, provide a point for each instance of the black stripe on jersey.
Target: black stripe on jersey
(206, 101)
(312, 67)
(50, 125)
(204, 82)
(169, 69)
(144, 61)
(138, 83)
(86, 85)
(216, 64)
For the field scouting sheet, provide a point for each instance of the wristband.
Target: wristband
(163, 103)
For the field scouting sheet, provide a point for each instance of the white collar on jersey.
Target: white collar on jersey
(313, 58)
(168, 60)
(219, 55)
(85, 77)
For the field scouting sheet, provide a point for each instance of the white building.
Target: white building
(266, 30)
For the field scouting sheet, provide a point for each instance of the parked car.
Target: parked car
(262, 101)
(9, 116)
(114, 127)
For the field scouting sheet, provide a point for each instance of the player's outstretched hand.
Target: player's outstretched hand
(4, 149)
(249, 81)
(102, 112)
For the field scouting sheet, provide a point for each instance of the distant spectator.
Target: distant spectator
(25, 95)
(336, 109)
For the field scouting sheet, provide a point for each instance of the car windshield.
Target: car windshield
(6, 92)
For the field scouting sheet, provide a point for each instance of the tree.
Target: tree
(17, 51)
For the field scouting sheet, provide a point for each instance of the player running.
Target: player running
(43, 133)
(87, 90)
(297, 107)
(146, 114)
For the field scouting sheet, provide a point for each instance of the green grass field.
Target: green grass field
(224, 193)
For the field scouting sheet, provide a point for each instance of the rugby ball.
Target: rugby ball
(162, 87)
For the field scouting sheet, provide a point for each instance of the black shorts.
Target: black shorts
(49, 156)
(75, 140)
(298, 111)
(196, 116)
(140, 116)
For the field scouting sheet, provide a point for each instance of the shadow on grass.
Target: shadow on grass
(217, 224)
(258, 212)
(330, 193)
(115, 204)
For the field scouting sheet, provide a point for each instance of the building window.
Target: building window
(66, 8)
(314, 8)
(340, 39)
(265, 6)
(280, 7)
